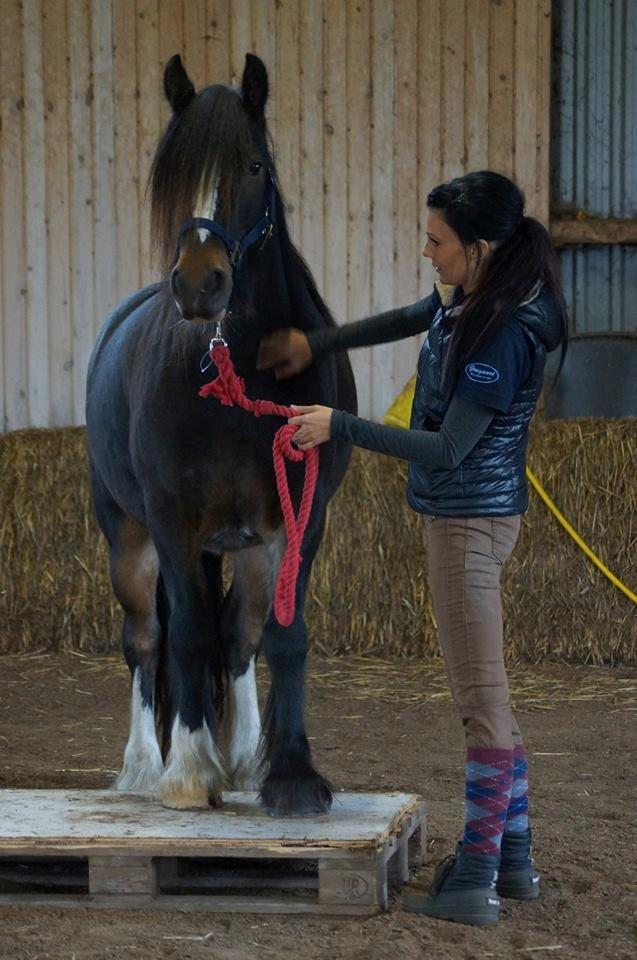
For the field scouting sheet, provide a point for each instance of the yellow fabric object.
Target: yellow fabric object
(399, 415)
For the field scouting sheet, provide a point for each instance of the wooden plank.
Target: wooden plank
(359, 184)
(429, 118)
(83, 205)
(104, 199)
(406, 224)
(264, 45)
(34, 215)
(150, 86)
(171, 41)
(240, 38)
(311, 132)
(526, 118)
(98, 823)
(382, 180)
(218, 43)
(586, 230)
(209, 904)
(287, 82)
(126, 162)
(543, 129)
(355, 881)
(476, 94)
(453, 69)
(501, 139)
(335, 158)
(122, 875)
(14, 288)
(194, 42)
(56, 86)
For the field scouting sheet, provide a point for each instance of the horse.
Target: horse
(180, 482)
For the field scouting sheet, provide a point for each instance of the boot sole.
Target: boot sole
(423, 905)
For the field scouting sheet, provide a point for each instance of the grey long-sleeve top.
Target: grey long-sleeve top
(463, 425)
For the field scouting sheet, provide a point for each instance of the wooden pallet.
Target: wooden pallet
(106, 849)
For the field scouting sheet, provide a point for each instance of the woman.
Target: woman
(479, 378)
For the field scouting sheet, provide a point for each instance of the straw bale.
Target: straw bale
(369, 593)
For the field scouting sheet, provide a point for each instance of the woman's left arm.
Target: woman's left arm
(463, 425)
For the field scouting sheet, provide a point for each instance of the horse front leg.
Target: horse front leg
(193, 775)
(292, 785)
(134, 568)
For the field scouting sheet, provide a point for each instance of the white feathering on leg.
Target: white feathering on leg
(143, 765)
(194, 773)
(245, 731)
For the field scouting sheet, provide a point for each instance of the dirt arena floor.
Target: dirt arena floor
(375, 725)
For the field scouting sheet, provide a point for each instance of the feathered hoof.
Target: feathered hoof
(307, 796)
(188, 796)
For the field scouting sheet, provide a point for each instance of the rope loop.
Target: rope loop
(229, 389)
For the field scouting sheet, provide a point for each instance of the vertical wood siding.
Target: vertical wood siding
(372, 103)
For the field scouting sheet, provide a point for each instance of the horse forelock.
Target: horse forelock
(203, 151)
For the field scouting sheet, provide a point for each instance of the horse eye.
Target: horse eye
(255, 166)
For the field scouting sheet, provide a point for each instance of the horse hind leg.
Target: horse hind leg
(244, 616)
(134, 573)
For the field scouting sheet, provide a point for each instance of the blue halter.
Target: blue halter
(237, 247)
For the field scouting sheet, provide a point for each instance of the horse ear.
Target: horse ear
(254, 86)
(177, 85)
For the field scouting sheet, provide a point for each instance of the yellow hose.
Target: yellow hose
(576, 537)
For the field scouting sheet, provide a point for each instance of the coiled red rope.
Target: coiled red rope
(229, 389)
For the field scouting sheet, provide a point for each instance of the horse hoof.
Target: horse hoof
(189, 796)
(309, 797)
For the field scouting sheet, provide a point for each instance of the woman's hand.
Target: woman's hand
(314, 426)
(288, 351)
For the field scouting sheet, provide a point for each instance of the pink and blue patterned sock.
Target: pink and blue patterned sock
(489, 776)
(518, 813)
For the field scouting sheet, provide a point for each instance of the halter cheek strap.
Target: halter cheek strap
(237, 247)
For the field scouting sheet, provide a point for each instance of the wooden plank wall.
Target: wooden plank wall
(373, 103)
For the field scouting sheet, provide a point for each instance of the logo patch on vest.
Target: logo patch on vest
(481, 373)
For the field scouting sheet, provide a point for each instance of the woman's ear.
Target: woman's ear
(177, 85)
(481, 248)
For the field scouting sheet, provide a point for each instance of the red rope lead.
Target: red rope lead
(229, 389)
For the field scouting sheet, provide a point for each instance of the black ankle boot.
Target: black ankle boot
(517, 877)
(463, 890)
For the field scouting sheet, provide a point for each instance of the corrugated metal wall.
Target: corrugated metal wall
(373, 103)
(594, 153)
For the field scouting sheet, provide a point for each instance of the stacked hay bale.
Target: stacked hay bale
(369, 593)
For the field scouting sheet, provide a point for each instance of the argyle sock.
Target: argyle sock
(489, 776)
(518, 813)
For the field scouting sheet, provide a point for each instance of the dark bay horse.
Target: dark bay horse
(179, 481)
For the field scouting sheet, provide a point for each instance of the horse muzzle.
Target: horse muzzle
(204, 298)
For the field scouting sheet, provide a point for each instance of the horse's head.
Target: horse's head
(212, 186)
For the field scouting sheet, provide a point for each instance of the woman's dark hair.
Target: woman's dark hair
(487, 206)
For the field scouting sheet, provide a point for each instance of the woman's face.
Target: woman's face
(454, 262)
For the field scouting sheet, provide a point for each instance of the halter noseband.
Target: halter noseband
(237, 247)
